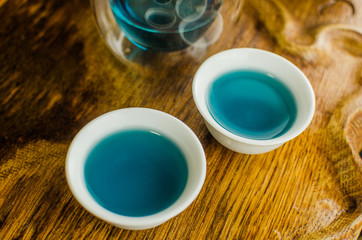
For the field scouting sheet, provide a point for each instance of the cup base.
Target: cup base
(240, 147)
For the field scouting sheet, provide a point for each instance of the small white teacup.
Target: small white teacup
(156, 122)
(250, 59)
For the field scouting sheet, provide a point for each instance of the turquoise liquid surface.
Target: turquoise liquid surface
(252, 104)
(163, 25)
(136, 172)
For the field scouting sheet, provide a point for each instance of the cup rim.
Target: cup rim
(132, 222)
(258, 142)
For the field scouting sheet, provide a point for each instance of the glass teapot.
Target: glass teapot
(133, 27)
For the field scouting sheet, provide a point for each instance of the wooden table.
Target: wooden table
(56, 74)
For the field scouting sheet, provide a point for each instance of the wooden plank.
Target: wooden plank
(56, 74)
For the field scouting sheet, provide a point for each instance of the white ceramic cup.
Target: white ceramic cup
(131, 118)
(261, 61)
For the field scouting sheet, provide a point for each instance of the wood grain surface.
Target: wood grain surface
(56, 74)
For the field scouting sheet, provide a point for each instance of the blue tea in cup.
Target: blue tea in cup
(253, 100)
(252, 104)
(136, 172)
(135, 168)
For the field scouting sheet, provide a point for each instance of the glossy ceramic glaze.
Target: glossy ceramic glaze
(132, 118)
(261, 61)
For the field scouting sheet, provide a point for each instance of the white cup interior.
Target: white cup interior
(262, 61)
(135, 118)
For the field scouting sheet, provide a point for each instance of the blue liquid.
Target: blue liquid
(136, 173)
(252, 104)
(163, 25)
